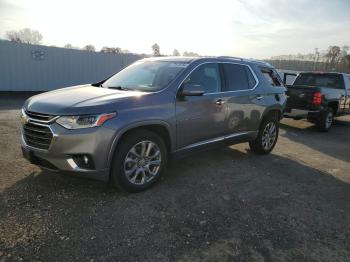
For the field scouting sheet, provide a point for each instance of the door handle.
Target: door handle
(220, 102)
(259, 97)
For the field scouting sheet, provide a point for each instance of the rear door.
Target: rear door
(244, 103)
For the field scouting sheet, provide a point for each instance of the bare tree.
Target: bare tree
(156, 49)
(190, 54)
(70, 46)
(26, 35)
(176, 52)
(344, 50)
(333, 54)
(90, 48)
(113, 50)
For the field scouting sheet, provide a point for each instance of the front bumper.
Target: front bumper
(66, 144)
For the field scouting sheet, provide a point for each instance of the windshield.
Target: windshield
(148, 76)
(327, 80)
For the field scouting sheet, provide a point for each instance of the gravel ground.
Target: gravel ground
(222, 205)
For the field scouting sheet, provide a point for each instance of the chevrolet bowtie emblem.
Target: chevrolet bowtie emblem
(24, 119)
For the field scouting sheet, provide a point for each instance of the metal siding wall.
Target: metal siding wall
(19, 71)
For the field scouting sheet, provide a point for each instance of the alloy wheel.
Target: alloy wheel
(329, 120)
(269, 136)
(142, 162)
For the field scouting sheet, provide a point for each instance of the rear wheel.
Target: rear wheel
(267, 136)
(138, 161)
(325, 120)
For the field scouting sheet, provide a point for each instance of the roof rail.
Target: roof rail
(231, 57)
(246, 60)
(257, 61)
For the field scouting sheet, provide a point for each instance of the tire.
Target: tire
(138, 161)
(267, 136)
(325, 120)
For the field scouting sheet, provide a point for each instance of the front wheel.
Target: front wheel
(267, 136)
(138, 161)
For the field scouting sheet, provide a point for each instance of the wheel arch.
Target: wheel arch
(157, 126)
(276, 109)
(334, 105)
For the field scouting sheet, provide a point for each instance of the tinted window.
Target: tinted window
(236, 78)
(271, 76)
(207, 76)
(251, 79)
(312, 79)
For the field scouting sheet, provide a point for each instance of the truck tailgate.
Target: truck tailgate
(301, 97)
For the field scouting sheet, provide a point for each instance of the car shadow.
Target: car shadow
(307, 134)
(223, 194)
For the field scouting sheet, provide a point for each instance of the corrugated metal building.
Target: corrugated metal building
(25, 67)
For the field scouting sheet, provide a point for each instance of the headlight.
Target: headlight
(85, 121)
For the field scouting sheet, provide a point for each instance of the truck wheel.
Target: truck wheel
(267, 136)
(325, 120)
(138, 161)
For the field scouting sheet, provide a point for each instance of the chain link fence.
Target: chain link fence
(300, 65)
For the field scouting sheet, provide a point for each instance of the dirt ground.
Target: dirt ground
(222, 205)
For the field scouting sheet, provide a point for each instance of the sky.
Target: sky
(246, 28)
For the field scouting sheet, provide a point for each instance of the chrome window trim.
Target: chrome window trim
(232, 91)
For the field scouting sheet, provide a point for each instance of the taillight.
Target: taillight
(317, 99)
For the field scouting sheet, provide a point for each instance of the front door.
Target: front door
(200, 119)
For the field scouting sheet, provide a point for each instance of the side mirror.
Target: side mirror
(191, 90)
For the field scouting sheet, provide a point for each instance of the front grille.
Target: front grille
(38, 136)
(36, 131)
(39, 117)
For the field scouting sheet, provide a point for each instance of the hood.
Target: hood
(84, 99)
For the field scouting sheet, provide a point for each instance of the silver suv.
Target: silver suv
(125, 128)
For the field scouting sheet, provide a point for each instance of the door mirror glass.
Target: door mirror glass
(192, 90)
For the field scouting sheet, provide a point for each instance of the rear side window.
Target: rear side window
(271, 76)
(237, 77)
(251, 79)
(319, 79)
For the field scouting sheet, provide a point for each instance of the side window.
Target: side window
(207, 76)
(237, 77)
(251, 78)
(271, 76)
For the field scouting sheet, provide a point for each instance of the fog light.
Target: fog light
(83, 161)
